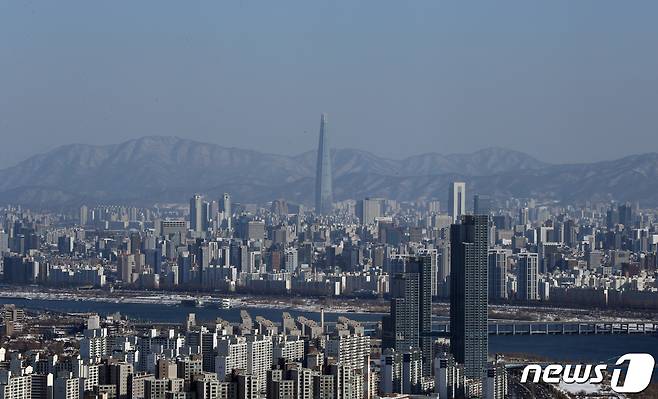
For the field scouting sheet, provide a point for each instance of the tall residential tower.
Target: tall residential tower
(408, 327)
(468, 293)
(323, 179)
(226, 212)
(527, 271)
(199, 210)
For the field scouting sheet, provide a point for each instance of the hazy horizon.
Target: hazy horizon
(314, 149)
(565, 82)
(264, 151)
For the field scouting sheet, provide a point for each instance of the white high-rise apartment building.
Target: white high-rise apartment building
(291, 259)
(369, 209)
(288, 347)
(259, 357)
(231, 355)
(15, 386)
(93, 345)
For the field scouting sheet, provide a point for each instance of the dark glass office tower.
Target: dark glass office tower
(409, 325)
(626, 214)
(422, 266)
(323, 179)
(497, 272)
(468, 293)
(401, 329)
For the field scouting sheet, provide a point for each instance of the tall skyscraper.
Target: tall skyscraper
(400, 329)
(497, 273)
(199, 210)
(457, 200)
(369, 209)
(443, 268)
(524, 216)
(225, 209)
(422, 264)
(84, 212)
(196, 213)
(626, 214)
(468, 293)
(323, 178)
(433, 255)
(527, 272)
(409, 325)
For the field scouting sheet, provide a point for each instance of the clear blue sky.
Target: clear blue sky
(561, 80)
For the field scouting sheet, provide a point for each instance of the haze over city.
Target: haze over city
(563, 81)
(328, 200)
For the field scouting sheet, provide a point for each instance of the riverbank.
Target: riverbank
(574, 348)
(172, 299)
(375, 306)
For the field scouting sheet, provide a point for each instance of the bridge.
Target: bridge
(441, 328)
(562, 328)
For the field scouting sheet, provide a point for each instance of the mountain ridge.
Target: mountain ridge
(168, 168)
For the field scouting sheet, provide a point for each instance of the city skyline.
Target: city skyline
(476, 215)
(435, 292)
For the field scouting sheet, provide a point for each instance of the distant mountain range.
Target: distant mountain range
(171, 169)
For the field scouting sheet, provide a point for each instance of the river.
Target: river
(581, 348)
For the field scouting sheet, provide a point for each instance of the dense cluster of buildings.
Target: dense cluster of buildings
(253, 358)
(472, 251)
(586, 256)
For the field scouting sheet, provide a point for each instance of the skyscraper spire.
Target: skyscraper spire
(323, 179)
